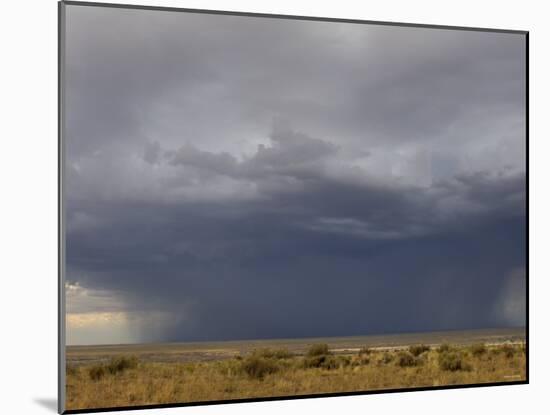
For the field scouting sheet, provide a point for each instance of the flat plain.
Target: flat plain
(146, 374)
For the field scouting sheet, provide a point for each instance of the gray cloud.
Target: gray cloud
(152, 152)
(272, 178)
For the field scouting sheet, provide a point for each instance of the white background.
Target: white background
(28, 207)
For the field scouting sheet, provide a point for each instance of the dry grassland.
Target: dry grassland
(126, 381)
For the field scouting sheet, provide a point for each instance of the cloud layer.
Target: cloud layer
(271, 178)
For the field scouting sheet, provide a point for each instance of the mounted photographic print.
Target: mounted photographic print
(259, 207)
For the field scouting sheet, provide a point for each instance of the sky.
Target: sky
(232, 177)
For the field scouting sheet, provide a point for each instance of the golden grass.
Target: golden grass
(148, 383)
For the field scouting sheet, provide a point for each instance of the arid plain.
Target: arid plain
(149, 374)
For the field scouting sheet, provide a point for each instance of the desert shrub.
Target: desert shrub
(444, 348)
(418, 349)
(494, 351)
(331, 362)
(326, 361)
(318, 349)
(273, 353)
(121, 363)
(314, 361)
(362, 360)
(96, 372)
(365, 350)
(257, 367)
(508, 351)
(452, 361)
(386, 358)
(478, 349)
(344, 360)
(406, 359)
(238, 357)
(282, 354)
(72, 370)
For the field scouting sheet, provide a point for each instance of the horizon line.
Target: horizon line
(265, 339)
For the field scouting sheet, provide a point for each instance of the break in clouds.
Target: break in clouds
(236, 178)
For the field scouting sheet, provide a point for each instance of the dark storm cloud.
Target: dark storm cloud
(290, 151)
(267, 265)
(275, 280)
(270, 178)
